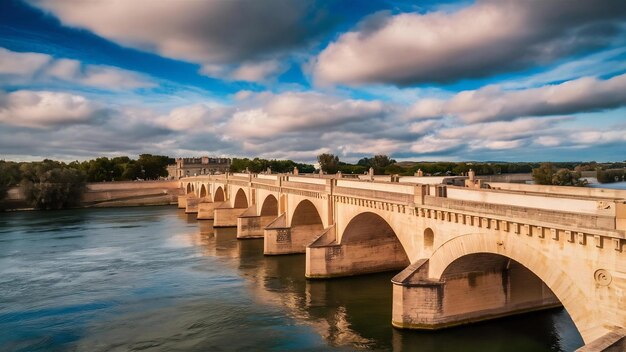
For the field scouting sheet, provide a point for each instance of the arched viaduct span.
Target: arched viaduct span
(465, 253)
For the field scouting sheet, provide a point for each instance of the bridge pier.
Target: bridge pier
(250, 225)
(325, 258)
(225, 216)
(182, 202)
(476, 288)
(282, 239)
(191, 204)
(206, 210)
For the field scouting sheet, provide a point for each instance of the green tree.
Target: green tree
(393, 169)
(52, 185)
(328, 163)
(565, 177)
(548, 174)
(153, 166)
(10, 176)
(132, 171)
(544, 173)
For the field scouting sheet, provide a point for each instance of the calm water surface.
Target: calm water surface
(155, 279)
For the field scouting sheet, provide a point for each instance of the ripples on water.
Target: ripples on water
(155, 279)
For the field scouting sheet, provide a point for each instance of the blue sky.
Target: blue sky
(424, 80)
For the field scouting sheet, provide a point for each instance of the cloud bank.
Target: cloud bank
(215, 34)
(29, 67)
(492, 103)
(488, 37)
(46, 109)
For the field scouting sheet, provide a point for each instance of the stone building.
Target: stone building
(198, 166)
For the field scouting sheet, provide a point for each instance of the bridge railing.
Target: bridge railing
(548, 216)
(374, 194)
(540, 201)
(394, 192)
(304, 186)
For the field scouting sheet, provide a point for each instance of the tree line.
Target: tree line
(50, 184)
(257, 165)
(384, 165)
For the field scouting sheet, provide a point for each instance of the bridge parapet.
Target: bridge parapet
(525, 213)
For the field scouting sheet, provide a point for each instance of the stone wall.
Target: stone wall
(113, 194)
(134, 193)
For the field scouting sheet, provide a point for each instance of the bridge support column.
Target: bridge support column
(206, 210)
(191, 206)
(182, 202)
(326, 259)
(225, 216)
(250, 225)
(466, 295)
(280, 239)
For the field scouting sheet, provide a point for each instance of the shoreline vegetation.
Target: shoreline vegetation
(50, 184)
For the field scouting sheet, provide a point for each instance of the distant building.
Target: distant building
(198, 166)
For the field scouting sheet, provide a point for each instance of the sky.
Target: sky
(484, 80)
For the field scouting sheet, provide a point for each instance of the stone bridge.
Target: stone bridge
(463, 253)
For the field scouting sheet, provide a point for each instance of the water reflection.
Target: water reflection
(156, 279)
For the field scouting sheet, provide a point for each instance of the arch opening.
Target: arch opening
(203, 192)
(219, 195)
(189, 189)
(489, 284)
(306, 215)
(241, 201)
(429, 238)
(306, 224)
(371, 245)
(270, 206)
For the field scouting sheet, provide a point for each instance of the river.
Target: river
(155, 279)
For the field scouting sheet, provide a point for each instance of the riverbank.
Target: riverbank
(111, 194)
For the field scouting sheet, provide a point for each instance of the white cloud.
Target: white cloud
(197, 118)
(216, 34)
(488, 37)
(500, 145)
(434, 145)
(492, 103)
(24, 64)
(41, 109)
(548, 141)
(35, 67)
(300, 112)
(502, 130)
(248, 71)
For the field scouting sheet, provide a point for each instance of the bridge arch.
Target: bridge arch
(241, 200)
(369, 227)
(269, 206)
(203, 191)
(467, 251)
(189, 188)
(306, 221)
(370, 244)
(219, 195)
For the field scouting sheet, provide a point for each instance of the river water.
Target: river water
(155, 279)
